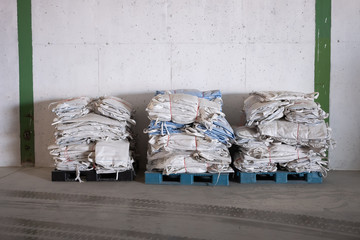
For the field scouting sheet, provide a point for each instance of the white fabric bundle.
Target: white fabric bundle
(252, 166)
(219, 156)
(212, 95)
(183, 109)
(113, 156)
(73, 165)
(115, 108)
(245, 134)
(177, 163)
(316, 135)
(265, 96)
(305, 111)
(90, 128)
(258, 112)
(293, 119)
(313, 164)
(275, 152)
(185, 163)
(205, 156)
(78, 130)
(71, 152)
(93, 118)
(264, 157)
(67, 157)
(208, 156)
(210, 148)
(182, 142)
(71, 108)
(263, 107)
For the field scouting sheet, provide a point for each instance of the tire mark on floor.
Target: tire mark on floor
(23, 228)
(317, 223)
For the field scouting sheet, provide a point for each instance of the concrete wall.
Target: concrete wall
(9, 88)
(345, 84)
(132, 48)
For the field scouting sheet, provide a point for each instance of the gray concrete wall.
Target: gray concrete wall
(345, 84)
(9, 85)
(132, 48)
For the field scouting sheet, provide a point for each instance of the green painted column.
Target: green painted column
(26, 83)
(322, 52)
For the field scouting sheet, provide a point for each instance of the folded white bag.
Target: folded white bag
(263, 107)
(115, 108)
(183, 109)
(71, 108)
(315, 135)
(245, 134)
(265, 96)
(184, 163)
(114, 154)
(258, 112)
(305, 111)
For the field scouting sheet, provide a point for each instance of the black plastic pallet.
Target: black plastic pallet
(91, 176)
(278, 177)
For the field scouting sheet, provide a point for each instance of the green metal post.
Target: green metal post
(26, 83)
(322, 52)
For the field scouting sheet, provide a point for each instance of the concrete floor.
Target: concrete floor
(33, 207)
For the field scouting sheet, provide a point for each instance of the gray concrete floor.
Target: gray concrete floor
(33, 207)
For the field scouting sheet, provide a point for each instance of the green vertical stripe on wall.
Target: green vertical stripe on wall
(322, 51)
(26, 83)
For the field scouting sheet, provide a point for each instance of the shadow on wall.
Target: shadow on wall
(233, 108)
(140, 102)
(44, 131)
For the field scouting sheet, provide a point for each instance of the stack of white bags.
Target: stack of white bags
(93, 134)
(188, 133)
(283, 129)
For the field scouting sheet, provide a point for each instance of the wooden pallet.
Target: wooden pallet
(202, 179)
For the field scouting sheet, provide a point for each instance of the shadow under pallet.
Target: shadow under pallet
(278, 177)
(91, 176)
(202, 179)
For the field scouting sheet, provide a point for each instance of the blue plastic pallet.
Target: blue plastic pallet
(202, 179)
(278, 177)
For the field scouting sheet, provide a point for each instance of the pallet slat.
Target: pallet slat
(91, 176)
(202, 179)
(278, 177)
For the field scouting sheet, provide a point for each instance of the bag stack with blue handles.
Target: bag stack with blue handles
(188, 133)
